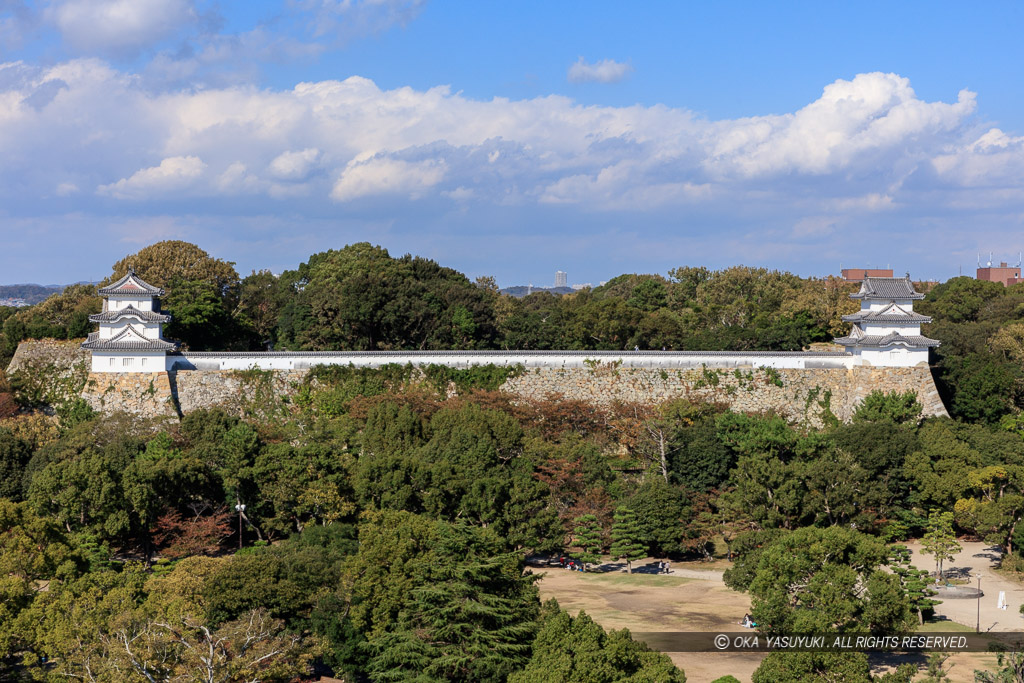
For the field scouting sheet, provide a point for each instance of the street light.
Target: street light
(240, 507)
(977, 627)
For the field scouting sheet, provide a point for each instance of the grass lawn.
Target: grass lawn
(624, 579)
(943, 627)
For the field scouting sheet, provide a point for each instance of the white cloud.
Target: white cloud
(295, 165)
(866, 145)
(116, 27)
(387, 176)
(172, 175)
(604, 71)
(346, 19)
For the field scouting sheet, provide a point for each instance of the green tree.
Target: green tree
(577, 650)
(587, 535)
(827, 580)
(894, 407)
(626, 537)
(915, 581)
(939, 539)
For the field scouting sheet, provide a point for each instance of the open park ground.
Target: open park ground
(694, 598)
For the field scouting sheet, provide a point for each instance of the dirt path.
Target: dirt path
(692, 599)
(978, 559)
(685, 600)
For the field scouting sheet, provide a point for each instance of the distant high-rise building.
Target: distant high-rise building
(561, 278)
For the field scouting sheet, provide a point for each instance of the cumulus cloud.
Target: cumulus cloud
(172, 175)
(604, 71)
(387, 176)
(119, 27)
(294, 165)
(865, 146)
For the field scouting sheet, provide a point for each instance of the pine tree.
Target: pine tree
(626, 535)
(940, 540)
(587, 536)
(914, 581)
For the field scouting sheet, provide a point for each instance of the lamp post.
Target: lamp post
(240, 507)
(977, 626)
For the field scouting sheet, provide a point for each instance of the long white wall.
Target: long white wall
(301, 360)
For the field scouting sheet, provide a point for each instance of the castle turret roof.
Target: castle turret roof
(891, 314)
(130, 285)
(129, 311)
(129, 339)
(908, 340)
(887, 288)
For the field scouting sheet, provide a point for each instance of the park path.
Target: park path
(978, 559)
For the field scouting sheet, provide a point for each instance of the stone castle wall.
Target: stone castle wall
(62, 354)
(148, 394)
(801, 395)
(806, 395)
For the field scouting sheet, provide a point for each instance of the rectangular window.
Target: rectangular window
(143, 362)
(126, 362)
(112, 359)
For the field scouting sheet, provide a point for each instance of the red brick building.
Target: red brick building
(858, 274)
(1008, 275)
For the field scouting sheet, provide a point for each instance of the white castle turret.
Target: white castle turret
(130, 337)
(886, 331)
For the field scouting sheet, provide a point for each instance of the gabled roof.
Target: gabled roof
(891, 314)
(130, 285)
(887, 288)
(129, 339)
(129, 311)
(858, 338)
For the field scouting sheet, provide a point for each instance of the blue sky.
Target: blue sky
(512, 139)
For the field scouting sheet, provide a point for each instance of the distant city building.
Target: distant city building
(583, 285)
(14, 303)
(859, 274)
(1008, 275)
(561, 278)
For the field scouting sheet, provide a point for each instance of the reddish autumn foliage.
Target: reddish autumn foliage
(200, 534)
(8, 406)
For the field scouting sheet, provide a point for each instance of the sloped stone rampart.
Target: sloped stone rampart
(63, 354)
(240, 392)
(147, 394)
(802, 395)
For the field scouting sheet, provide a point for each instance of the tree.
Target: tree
(14, 456)
(914, 581)
(626, 537)
(827, 580)
(577, 650)
(993, 513)
(825, 667)
(939, 540)
(1010, 669)
(162, 263)
(895, 407)
(587, 535)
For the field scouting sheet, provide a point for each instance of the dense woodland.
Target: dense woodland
(387, 519)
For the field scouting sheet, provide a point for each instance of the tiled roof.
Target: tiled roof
(892, 314)
(887, 288)
(147, 316)
(128, 340)
(130, 284)
(873, 340)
